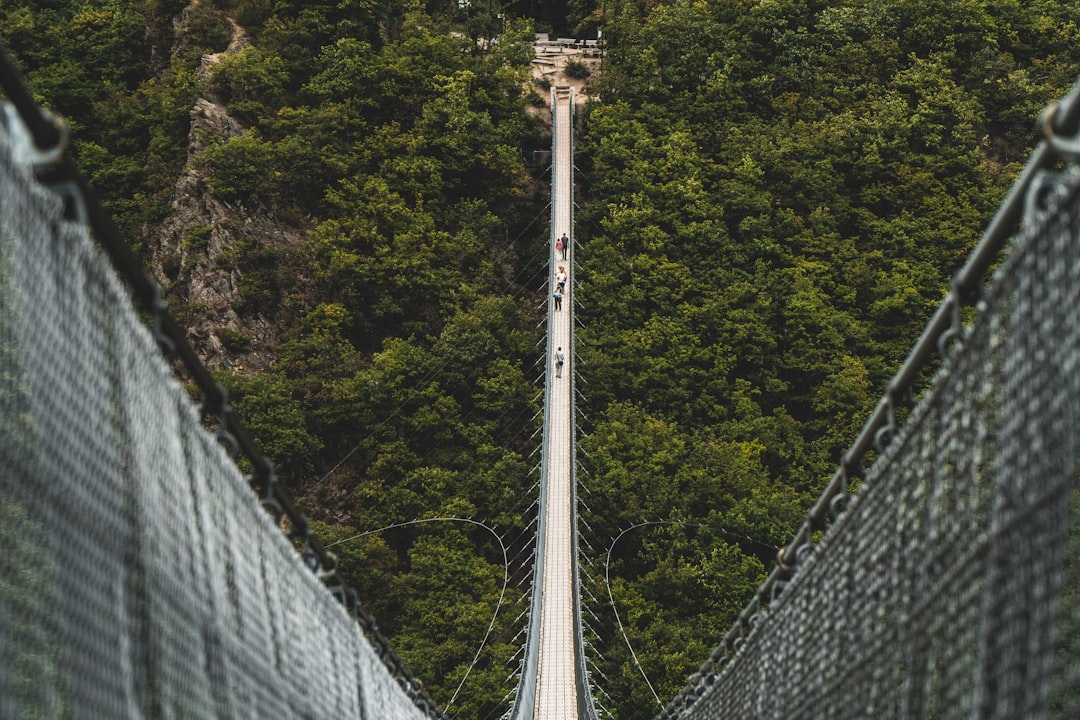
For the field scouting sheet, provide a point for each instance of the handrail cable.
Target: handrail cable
(435, 370)
(611, 598)
(502, 593)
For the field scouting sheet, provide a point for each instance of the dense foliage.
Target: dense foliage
(773, 196)
(777, 194)
(393, 143)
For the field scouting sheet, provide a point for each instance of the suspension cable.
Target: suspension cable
(611, 598)
(502, 593)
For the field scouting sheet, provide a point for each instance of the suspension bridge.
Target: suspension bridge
(554, 681)
(143, 577)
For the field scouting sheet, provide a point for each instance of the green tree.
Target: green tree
(249, 82)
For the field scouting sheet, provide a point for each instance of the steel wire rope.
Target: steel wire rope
(1060, 119)
(397, 411)
(607, 580)
(540, 214)
(504, 427)
(618, 620)
(174, 344)
(607, 563)
(611, 599)
(434, 370)
(50, 136)
(46, 133)
(502, 593)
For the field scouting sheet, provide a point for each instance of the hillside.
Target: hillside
(346, 204)
(777, 196)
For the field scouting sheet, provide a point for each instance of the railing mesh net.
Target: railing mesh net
(948, 588)
(139, 576)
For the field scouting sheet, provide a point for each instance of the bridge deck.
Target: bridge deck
(556, 692)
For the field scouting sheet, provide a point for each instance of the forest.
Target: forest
(772, 198)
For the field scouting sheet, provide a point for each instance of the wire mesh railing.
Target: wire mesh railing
(146, 578)
(947, 586)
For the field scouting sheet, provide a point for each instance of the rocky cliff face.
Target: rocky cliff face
(197, 251)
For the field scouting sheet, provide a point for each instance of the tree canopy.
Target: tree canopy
(772, 197)
(775, 196)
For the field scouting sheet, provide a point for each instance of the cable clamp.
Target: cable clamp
(158, 309)
(785, 561)
(1067, 147)
(1046, 191)
(310, 558)
(72, 198)
(327, 570)
(949, 340)
(884, 434)
(47, 159)
(777, 590)
(268, 501)
(222, 411)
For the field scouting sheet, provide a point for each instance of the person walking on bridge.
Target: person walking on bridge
(563, 244)
(560, 358)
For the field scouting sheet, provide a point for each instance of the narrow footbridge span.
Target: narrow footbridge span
(553, 684)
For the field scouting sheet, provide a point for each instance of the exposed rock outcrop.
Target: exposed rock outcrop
(198, 254)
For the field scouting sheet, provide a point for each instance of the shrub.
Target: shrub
(233, 340)
(576, 69)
